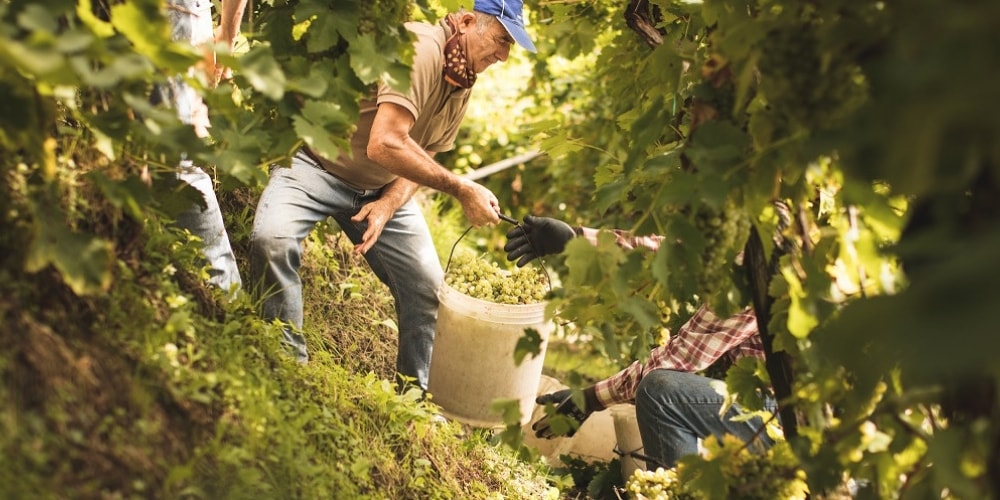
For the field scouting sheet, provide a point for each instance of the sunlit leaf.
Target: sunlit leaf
(99, 27)
(508, 409)
(263, 72)
(529, 344)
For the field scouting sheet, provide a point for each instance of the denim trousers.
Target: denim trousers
(676, 409)
(207, 224)
(404, 258)
(191, 21)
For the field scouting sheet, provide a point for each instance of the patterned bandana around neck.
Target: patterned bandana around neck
(457, 70)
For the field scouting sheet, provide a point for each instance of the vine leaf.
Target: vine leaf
(528, 344)
(264, 73)
(133, 19)
(129, 195)
(322, 125)
(370, 65)
(83, 260)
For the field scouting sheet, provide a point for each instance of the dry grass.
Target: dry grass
(350, 309)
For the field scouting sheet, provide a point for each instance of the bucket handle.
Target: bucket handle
(507, 218)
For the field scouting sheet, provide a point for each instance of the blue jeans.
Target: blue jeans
(675, 409)
(404, 257)
(208, 225)
(191, 22)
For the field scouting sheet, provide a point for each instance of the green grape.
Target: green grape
(485, 280)
(746, 474)
(659, 484)
(725, 231)
(812, 85)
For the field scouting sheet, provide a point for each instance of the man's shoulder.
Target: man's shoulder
(429, 44)
(426, 32)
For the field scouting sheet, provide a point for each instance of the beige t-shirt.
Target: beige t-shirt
(437, 107)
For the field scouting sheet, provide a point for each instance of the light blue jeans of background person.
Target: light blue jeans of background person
(404, 258)
(207, 224)
(675, 409)
(191, 22)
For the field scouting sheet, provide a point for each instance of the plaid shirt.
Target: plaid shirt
(698, 343)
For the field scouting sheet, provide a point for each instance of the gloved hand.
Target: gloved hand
(567, 409)
(537, 237)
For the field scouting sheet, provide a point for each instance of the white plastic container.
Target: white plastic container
(629, 440)
(473, 359)
(593, 442)
(545, 447)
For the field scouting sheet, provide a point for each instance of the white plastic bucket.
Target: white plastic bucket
(473, 359)
(629, 440)
(545, 447)
(593, 442)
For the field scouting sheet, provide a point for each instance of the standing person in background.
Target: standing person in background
(368, 189)
(674, 406)
(191, 22)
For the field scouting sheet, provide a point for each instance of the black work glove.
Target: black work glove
(572, 416)
(537, 237)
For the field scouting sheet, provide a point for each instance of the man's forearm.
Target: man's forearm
(399, 191)
(231, 18)
(406, 159)
(624, 239)
(392, 147)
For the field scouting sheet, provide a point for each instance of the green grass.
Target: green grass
(159, 389)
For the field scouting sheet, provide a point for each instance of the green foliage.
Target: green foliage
(126, 376)
(875, 121)
(878, 135)
(158, 388)
(81, 87)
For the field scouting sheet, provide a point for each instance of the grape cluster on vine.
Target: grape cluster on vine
(747, 474)
(485, 280)
(659, 484)
(725, 231)
(803, 80)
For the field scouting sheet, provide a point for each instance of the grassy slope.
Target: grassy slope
(158, 390)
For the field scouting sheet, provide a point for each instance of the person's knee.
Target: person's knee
(656, 387)
(268, 247)
(425, 277)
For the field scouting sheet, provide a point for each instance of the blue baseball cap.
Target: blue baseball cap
(508, 12)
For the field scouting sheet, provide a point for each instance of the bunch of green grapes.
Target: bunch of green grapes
(771, 474)
(747, 474)
(659, 484)
(725, 231)
(804, 78)
(484, 280)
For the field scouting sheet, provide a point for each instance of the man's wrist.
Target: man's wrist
(591, 401)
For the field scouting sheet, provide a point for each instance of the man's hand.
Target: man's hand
(537, 237)
(566, 418)
(480, 205)
(376, 213)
